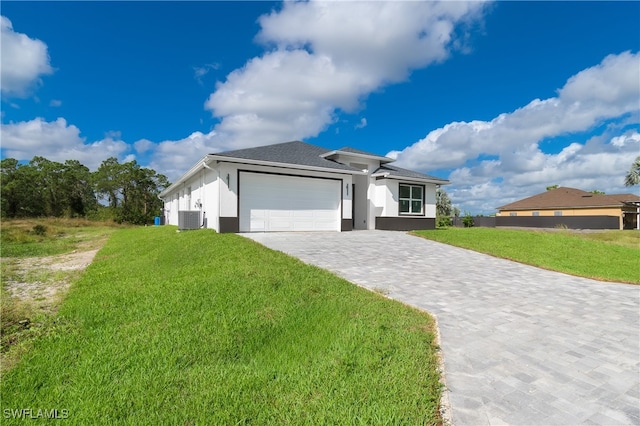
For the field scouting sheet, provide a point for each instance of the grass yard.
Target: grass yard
(48, 236)
(204, 328)
(40, 258)
(608, 256)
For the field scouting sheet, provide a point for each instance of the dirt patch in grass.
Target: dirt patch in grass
(32, 290)
(43, 281)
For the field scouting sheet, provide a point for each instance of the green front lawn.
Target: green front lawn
(203, 328)
(609, 256)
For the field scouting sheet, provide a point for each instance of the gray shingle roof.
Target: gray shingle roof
(296, 152)
(400, 172)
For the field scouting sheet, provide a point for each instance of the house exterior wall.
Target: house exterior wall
(198, 193)
(387, 196)
(430, 200)
(216, 188)
(388, 216)
(171, 208)
(386, 190)
(228, 178)
(211, 198)
(360, 200)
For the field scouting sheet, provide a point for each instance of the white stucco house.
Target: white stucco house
(296, 186)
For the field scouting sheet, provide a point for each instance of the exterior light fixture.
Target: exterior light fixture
(346, 185)
(228, 179)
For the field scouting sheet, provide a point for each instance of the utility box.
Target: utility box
(188, 219)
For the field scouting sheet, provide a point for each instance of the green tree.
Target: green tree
(51, 186)
(550, 187)
(444, 208)
(108, 181)
(21, 190)
(633, 175)
(131, 191)
(78, 189)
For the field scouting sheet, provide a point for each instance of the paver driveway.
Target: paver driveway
(522, 345)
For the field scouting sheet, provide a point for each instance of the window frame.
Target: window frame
(411, 199)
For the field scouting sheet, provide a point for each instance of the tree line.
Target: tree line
(123, 192)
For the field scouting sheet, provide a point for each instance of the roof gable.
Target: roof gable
(564, 197)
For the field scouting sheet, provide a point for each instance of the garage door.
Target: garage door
(270, 203)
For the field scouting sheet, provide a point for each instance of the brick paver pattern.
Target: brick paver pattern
(521, 345)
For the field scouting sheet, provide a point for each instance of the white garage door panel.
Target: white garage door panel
(288, 203)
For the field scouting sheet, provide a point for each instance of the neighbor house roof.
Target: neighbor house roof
(295, 153)
(569, 198)
(387, 170)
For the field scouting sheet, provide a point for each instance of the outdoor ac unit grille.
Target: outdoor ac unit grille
(188, 219)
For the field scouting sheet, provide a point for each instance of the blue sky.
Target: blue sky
(501, 98)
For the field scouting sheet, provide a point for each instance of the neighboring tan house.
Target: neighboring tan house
(572, 206)
(296, 186)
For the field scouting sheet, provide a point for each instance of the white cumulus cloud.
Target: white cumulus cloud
(173, 158)
(326, 57)
(517, 166)
(57, 141)
(23, 61)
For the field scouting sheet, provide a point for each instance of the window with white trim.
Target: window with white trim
(411, 199)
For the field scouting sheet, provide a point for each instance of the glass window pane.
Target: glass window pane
(404, 206)
(416, 207)
(404, 191)
(416, 192)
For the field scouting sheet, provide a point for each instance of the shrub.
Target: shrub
(467, 220)
(443, 221)
(40, 230)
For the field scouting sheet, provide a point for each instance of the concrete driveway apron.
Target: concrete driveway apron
(521, 345)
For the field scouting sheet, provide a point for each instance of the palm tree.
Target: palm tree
(633, 176)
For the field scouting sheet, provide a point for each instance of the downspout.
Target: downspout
(203, 191)
(164, 210)
(202, 198)
(206, 166)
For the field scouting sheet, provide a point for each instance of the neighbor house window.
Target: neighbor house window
(535, 214)
(557, 213)
(411, 199)
(513, 214)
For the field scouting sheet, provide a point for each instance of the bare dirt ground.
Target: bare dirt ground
(43, 281)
